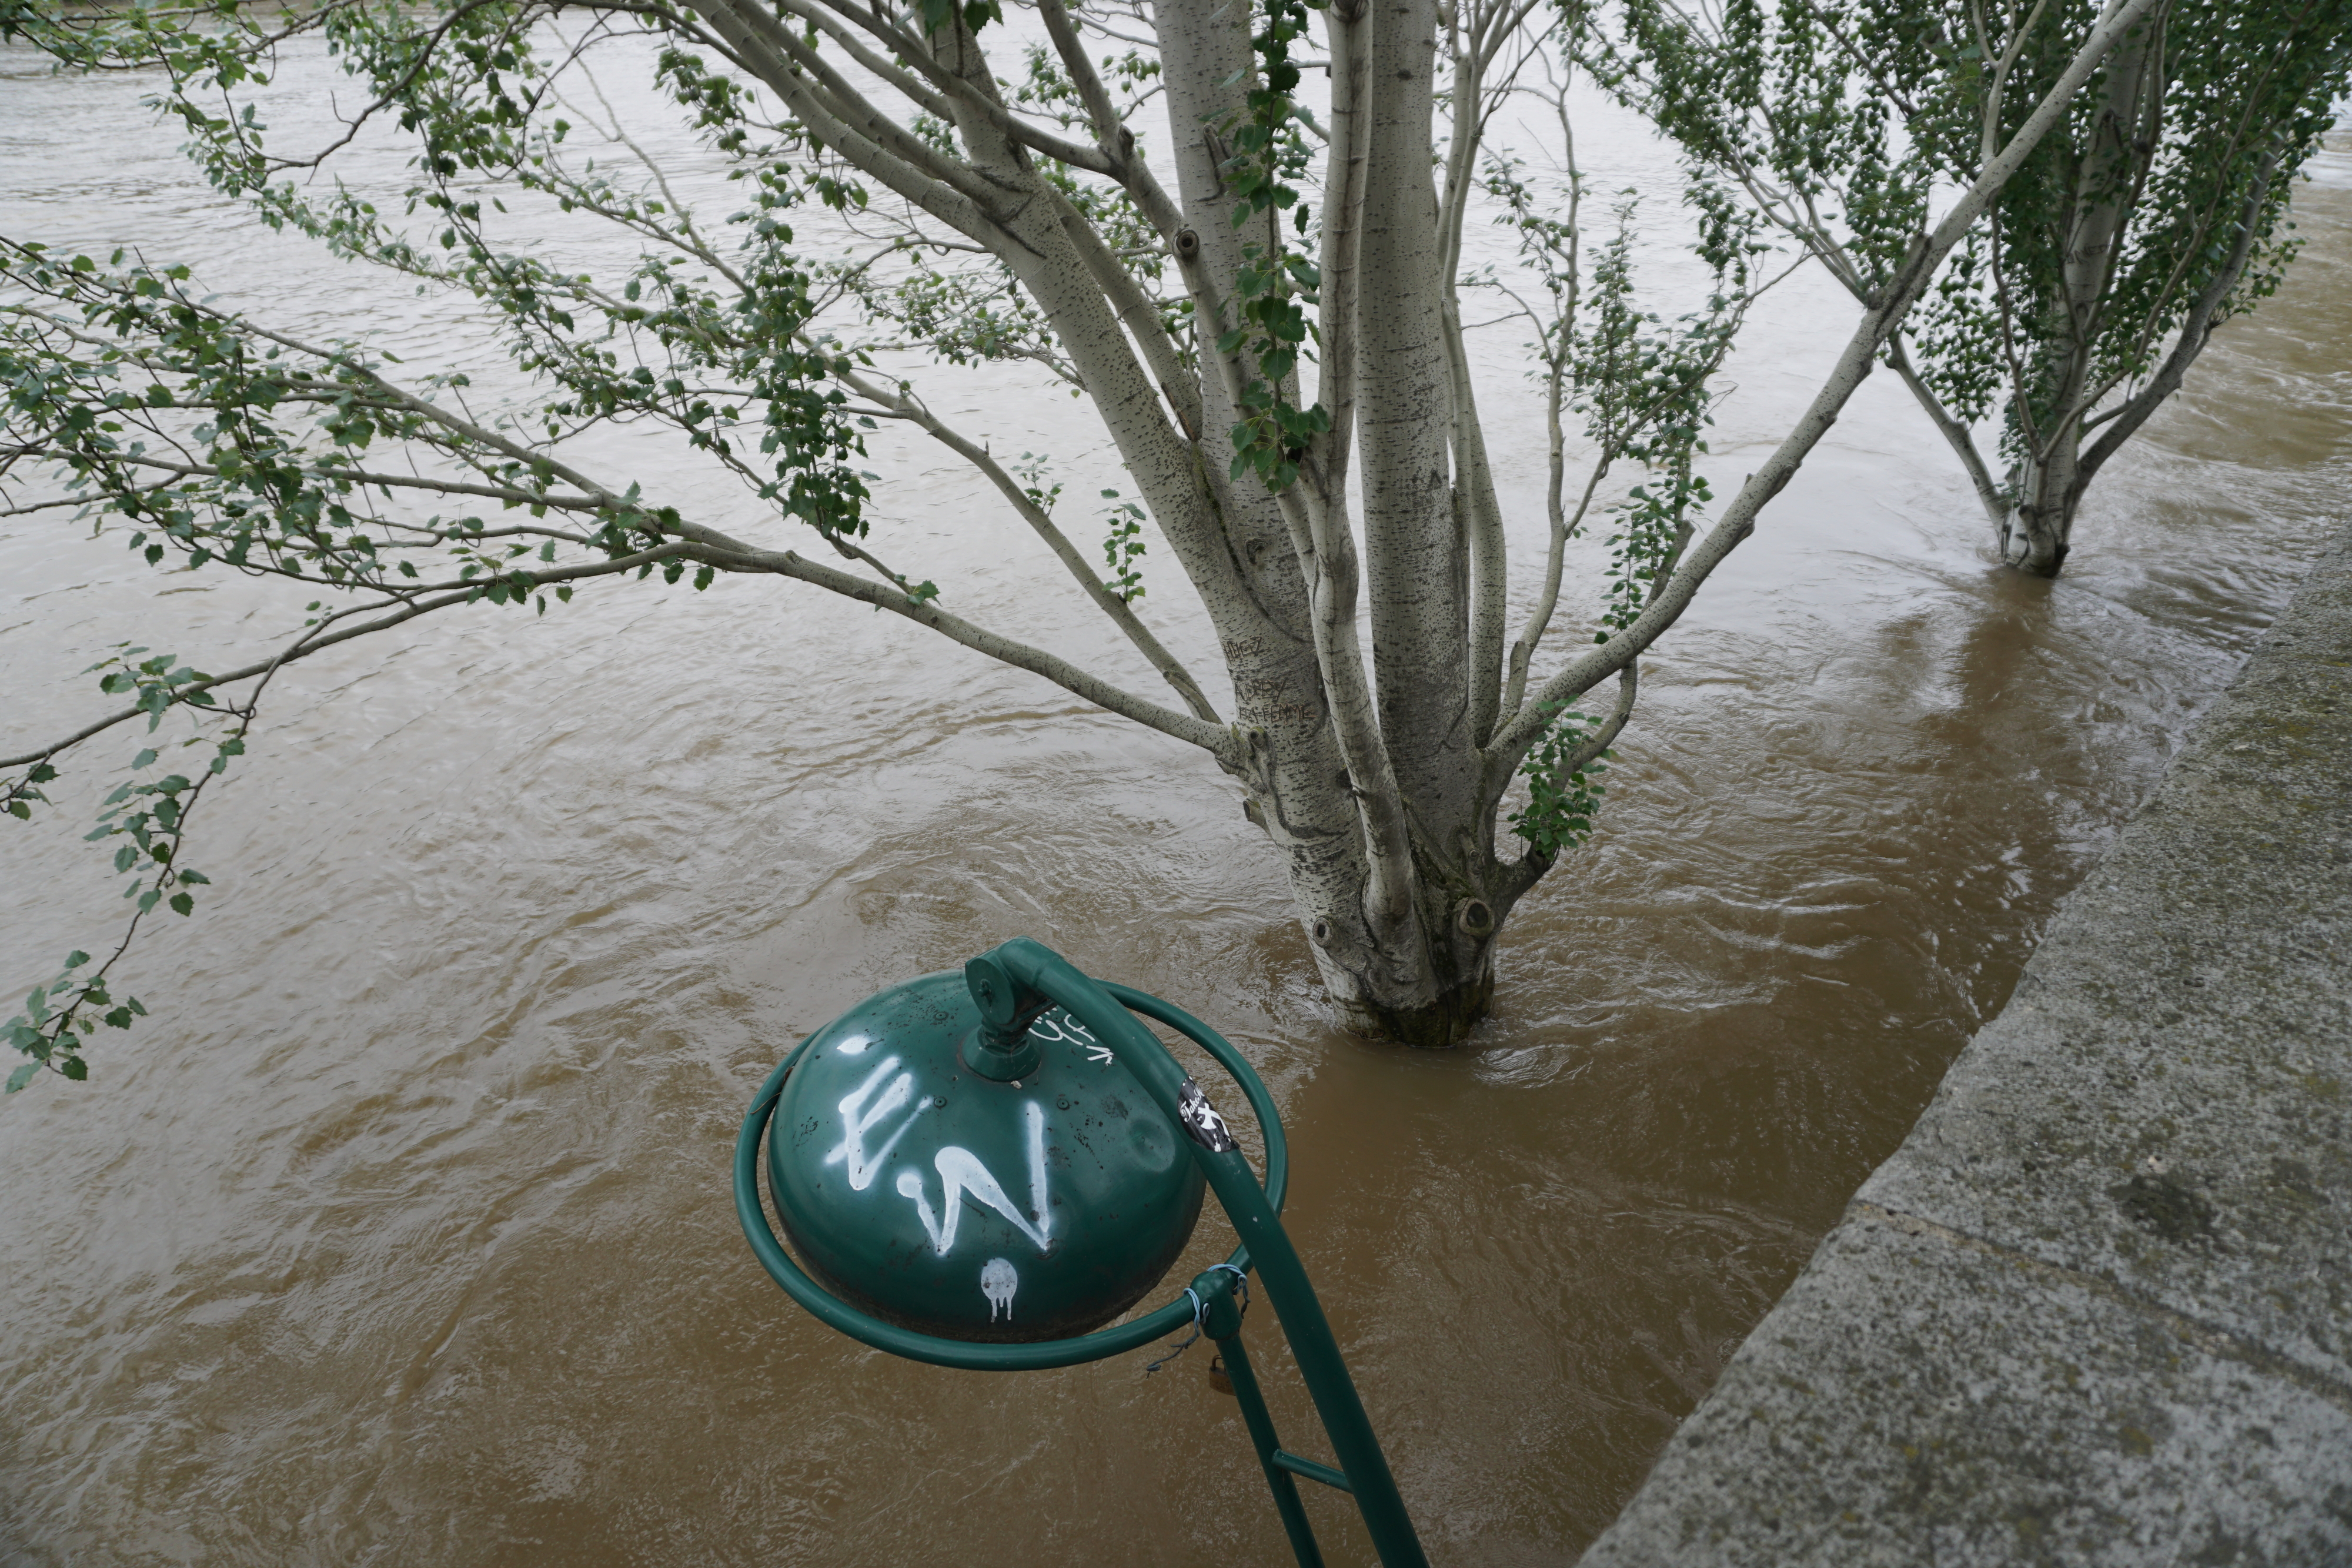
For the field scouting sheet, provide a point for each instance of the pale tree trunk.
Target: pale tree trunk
(2048, 480)
(1416, 552)
(1315, 773)
(2048, 487)
(1294, 771)
(2052, 489)
(1376, 797)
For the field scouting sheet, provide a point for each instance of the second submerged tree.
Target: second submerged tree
(2156, 210)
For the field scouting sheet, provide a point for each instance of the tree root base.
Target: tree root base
(1435, 1025)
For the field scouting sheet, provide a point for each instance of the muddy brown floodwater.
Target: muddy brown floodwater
(401, 1235)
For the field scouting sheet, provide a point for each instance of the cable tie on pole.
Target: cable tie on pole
(1199, 1314)
(1241, 1282)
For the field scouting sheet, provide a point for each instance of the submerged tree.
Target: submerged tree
(1267, 323)
(2154, 213)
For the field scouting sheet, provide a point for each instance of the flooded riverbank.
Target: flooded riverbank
(402, 1233)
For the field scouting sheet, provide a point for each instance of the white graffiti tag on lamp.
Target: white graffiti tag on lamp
(857, 1116)
(960, 1172)
(1062, 1027)
(997, 1282)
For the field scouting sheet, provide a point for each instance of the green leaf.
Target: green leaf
(21, 1076)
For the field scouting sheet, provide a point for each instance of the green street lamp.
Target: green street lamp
(978, 1170)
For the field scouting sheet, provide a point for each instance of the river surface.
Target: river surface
(401, 1233)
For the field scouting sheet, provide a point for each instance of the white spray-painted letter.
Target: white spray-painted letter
(960, 1172)
(857, 1116)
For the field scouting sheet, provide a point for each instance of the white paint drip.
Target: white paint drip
(997, 1282)
(857, 1116)
(960, 1172)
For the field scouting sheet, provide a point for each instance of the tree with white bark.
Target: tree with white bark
(1267, 320)
(2156, 210)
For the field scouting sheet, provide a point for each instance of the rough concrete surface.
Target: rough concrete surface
(2099, 1307)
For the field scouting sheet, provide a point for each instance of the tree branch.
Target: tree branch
(1221, 741)
(2195, 330)
(309, 643)
(1956, 433)
(1122, 615)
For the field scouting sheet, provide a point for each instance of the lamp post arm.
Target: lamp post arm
(1032, 965)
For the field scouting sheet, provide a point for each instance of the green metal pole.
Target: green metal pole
(1222, 1324)
(1037, 968)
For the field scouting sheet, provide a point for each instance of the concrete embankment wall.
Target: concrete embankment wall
(2098, 1309)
